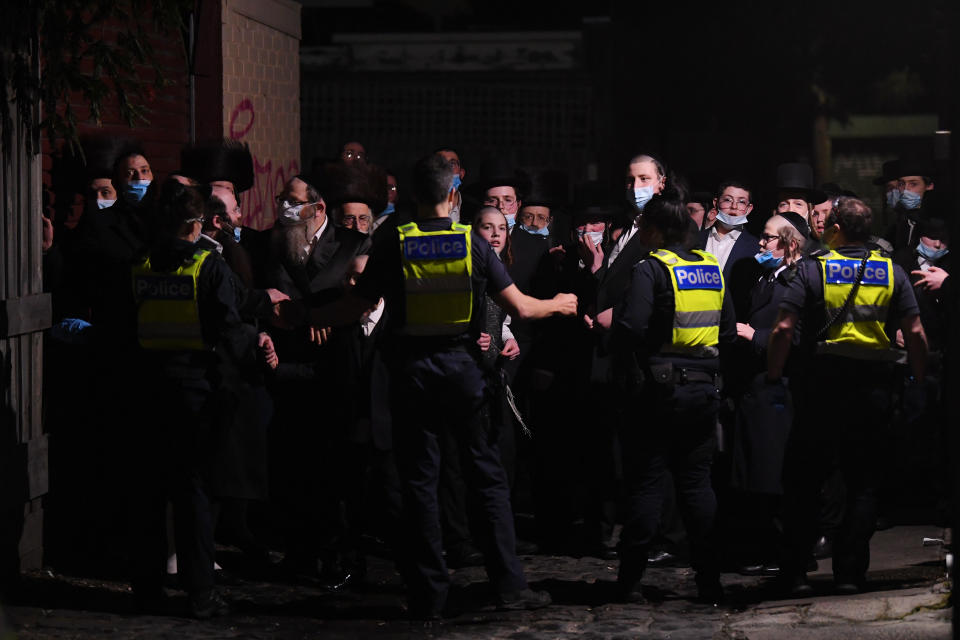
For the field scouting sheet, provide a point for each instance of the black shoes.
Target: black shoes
(464, 555)
(798, 587)
(768, 569)
(661, 558)
(208, 604)
(632, 593)
(823, 549)
(525, 600)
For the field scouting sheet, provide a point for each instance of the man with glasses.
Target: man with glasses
(731, 244)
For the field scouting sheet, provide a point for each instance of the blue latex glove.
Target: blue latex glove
(71, 331)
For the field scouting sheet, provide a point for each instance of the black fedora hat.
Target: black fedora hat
(497, 173)
(889, 171)
(592, 202)
(916, 165)
(222, 159)
(798, 177)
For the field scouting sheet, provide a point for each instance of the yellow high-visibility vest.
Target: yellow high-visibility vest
(863, 324)
(168, 316)
(437, 266)
(698, 295)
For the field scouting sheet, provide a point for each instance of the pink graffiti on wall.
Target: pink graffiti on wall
(258, 207)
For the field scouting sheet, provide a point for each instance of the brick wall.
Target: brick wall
(261, 95)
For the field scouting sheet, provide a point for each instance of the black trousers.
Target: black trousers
(841, 425)
(434, 393)
(671, 429)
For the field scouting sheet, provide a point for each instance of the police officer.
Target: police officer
(194, 342)
(850, 301)
(433, 275)
(672, 321)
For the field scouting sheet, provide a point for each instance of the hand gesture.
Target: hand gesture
(565, 304)
(265, 344)
(484, 341)
(931, 279)
(510, 349)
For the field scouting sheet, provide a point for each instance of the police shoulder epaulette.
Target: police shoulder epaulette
(819, 252)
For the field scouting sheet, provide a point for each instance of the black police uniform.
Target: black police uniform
(842, 409)
(436, 386)
(181, 396)
(670, 426)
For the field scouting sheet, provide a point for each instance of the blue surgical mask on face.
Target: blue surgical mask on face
(511, 220)
(456, 182)
(641, 196)
(390, 209)
(930, 253)
(134, 191)
(236, 233)
(103, 204)
(911, 200)
(731, 221)
(767, 261)
(537, 232)
(893, 197)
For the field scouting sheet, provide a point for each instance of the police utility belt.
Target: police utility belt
(668, 373)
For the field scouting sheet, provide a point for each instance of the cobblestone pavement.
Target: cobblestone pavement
(908, 597)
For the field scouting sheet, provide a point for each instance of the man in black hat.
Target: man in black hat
(795, 190)
(913, 184)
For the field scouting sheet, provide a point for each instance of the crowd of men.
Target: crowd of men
(642, 358)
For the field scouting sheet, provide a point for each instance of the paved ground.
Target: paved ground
(908, 598)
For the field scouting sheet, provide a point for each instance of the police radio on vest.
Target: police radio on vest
(434, 247)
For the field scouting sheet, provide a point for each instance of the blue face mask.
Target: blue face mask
(731, 221)
(537, 232)
(641, 196)
(456, 182)
(134, 191)
(767, 261)
(911, 200)
(236, 233)
(103, 204)
(390, 209)
(930, 253)
(893, 197)
(511, 220)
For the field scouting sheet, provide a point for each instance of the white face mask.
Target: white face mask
(595, 236)
(103, 204)
(291, 212)
(731, 221)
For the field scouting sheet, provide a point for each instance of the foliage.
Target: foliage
(78, 60)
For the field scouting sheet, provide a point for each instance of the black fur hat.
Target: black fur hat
(341, 182)
(222, 159)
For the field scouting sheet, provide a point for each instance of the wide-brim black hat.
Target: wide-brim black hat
(592, 202)
(916, 166)
(497, 173)
(798, 177)
(215, 160)
(101, 153)
(547, 189)
(341, 182)
(889, 171)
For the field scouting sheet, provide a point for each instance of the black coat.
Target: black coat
(741, 270)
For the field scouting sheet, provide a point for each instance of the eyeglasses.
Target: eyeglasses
(727, 202)
(353, 219)
(293, 203)
(767, 237)
(527, 218)
(350, 155)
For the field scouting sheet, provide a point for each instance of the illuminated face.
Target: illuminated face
(493, 228)
(391, 189)
(933, 244)
(797, 205)
(102, 189)
(696, 212)
(644, 174)
(734, 201)
(818, 217)
(224, 184)
(770, 239)
(353, 153)
(138, 169)
(503, 198)
(295, 192)
(230, 202)
(535, 217)
(356, 215)
(454, 160)
(916, 184)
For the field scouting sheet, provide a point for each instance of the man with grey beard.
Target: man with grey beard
(310, 258)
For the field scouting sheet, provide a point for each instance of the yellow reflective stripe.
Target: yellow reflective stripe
(438, 289)
(697, 312)
(170, 324)
(863, 324)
